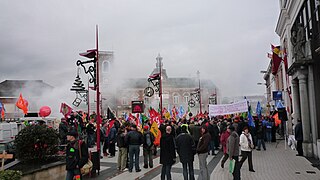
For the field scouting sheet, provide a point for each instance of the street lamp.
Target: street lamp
(156, 81)
(93, 71)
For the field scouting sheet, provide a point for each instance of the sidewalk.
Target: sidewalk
(274, 164)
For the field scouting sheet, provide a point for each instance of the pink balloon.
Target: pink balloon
(44, 111)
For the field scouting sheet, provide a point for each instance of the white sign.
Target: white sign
(223, 109)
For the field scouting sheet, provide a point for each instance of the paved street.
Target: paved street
(274, 164)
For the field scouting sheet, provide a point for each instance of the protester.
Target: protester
(90, 133)
(202, 150)
(134, 139)
(260, 136)
(233, 151)
(123, 148)
(148, 147)
(185, 149)
(112, 140)
(167, 153)
(246, 145)
(63, 130)
(298, 134)
(223, 140)
(73, 160)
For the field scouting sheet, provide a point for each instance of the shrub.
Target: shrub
(36, 143)
(10, 175)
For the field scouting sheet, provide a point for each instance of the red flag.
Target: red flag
(22, 104)
(276, 119)
(110, 126)
(65, 109)
(2, 112)
(276, 59)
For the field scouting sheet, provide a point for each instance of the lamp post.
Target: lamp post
(93, 71)
(156, 81)
(199, 91)
(159, 59)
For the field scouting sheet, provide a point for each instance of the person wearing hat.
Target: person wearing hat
(75, 160)
(63, 130)
(134, 139)
(246, 145)
(148, 147)
(233, 150)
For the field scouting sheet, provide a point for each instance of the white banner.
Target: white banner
(223, 109)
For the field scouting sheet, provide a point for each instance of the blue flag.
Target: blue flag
(250, 118)
(258, 110)
(181, 112)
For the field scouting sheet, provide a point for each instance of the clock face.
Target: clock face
(191, 103)
(148, 91)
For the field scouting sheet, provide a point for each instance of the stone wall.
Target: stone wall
(50, 173)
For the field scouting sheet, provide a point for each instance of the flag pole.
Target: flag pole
(98, 92)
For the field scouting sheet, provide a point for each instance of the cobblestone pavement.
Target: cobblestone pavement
(276, 163)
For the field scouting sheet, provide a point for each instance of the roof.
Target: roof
(12, 88)
(142, 83)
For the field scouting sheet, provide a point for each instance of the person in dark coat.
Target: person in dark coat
(233, 151)
(112, 141)
(63, 130)
(134, 139)
(261, 132)
(75, 161)
(298, 135)
(195, 132)
(167, 153)
(148, 147)
(202, 150)
(185, 148)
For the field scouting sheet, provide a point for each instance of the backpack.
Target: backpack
(148, 140)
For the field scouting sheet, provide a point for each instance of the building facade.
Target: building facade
(176, 92)
(298, 27)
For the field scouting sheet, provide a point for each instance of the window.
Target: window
(186, 97)
(106, 66)
(125, 101)
(175, 99)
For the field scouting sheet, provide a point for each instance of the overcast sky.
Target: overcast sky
(227, 41)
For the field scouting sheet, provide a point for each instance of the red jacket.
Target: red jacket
(223, 140)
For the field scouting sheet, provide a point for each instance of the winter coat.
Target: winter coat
(112, 135)
(185, 147)
(298, 132)
(152, 138)
(73, 160)
(167, 149)
(134, 138)
(195, 132)
(203, 145)
(261, 131)
(223, 140)
(245, 141)
(233, 144)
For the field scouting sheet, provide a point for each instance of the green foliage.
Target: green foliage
(10, 175)
(36, 143)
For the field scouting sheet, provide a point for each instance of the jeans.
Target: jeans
(72, 173)
(211, 147)
(188, 166)
(204, 173)
(112, 149)
(269, 135)
(134, 150)
(147, 157)
(166, 171)
(259, 142)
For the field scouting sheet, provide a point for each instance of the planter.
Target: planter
(52, 171)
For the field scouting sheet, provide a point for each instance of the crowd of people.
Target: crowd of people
(201, 136)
